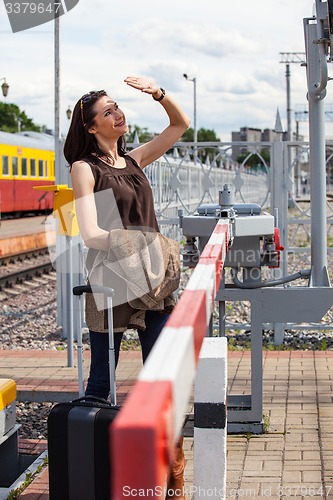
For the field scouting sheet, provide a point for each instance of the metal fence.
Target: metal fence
(180, 182)
(278, 181)
(193, 174)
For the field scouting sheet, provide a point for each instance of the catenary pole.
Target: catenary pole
(64, 255)
(317, 80)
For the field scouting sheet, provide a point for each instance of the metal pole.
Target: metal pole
(256, 362)
(297, 172)
(279, 205)
(69, 302)
(57, 97)
(195, 135)
(112, 361)
(79, 347)
(195, 118)
(290, 201)
(61, 320)
(316, 94)
(288, 103)
(64, 269)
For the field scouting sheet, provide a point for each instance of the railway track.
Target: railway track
(21, 256)
(23, 266)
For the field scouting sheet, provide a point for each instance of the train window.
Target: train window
(15, 169)
(5, 165)
(33, 167)
(46, 169)
(24, 167)
(40, 168)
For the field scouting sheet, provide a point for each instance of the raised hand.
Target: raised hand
(144, 84)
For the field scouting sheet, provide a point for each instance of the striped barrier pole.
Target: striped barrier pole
(210, 423)
(144, 434)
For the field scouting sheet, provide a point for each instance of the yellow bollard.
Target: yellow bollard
(63, 208)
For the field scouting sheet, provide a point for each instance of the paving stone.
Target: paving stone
(311, 455)
(290, 477)
(262, 473)
(275, 446)
(272, 465)
(256, 444)
(292, 455)
(289, 466)
(249, 486)
(294, 458)
(268, 455)
(252, 465)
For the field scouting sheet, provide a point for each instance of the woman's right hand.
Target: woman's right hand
(179, 121)
(144, 84)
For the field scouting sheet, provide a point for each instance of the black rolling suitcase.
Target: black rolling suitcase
(78, 433)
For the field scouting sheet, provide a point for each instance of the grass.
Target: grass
(270, 346)
(128, 344)
(244, 344)
(267, 422)
(235, 345)
(29, 477)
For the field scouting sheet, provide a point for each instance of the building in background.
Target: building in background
(249, 134)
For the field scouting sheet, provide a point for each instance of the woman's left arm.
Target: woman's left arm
(179, 122)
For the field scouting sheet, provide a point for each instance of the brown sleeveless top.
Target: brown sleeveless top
(132, 193)
(123, 199)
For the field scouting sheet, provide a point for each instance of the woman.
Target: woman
(95, 151)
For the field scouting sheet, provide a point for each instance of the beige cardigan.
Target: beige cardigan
(146, 267)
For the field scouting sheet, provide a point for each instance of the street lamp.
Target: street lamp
(287, 58)
(194, 80)
(69, 112)
(4, 87)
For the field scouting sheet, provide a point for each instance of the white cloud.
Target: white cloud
(192, 38)
(231, 47)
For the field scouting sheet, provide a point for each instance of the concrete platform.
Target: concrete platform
(26, 234)
(294, 459)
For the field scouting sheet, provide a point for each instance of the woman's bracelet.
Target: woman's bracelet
(161, 97)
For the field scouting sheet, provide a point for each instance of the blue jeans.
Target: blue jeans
(98, 381)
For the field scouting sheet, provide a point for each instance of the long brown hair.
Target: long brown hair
(79, 142)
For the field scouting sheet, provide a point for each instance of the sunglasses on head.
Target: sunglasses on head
(84, 99)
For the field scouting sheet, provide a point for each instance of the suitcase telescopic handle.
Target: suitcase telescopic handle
(79, 290)
(90, 398)
(109, 293)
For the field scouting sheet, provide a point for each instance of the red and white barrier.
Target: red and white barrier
(210, 423)
(145, 432)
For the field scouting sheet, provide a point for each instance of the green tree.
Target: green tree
(9, 116)
(203, 135)
(254, 161)
(143, 134)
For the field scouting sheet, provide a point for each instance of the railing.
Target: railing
(297, 219)
(179, 182)
(280, 182)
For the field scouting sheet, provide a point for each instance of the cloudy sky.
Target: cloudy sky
(232, 47)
